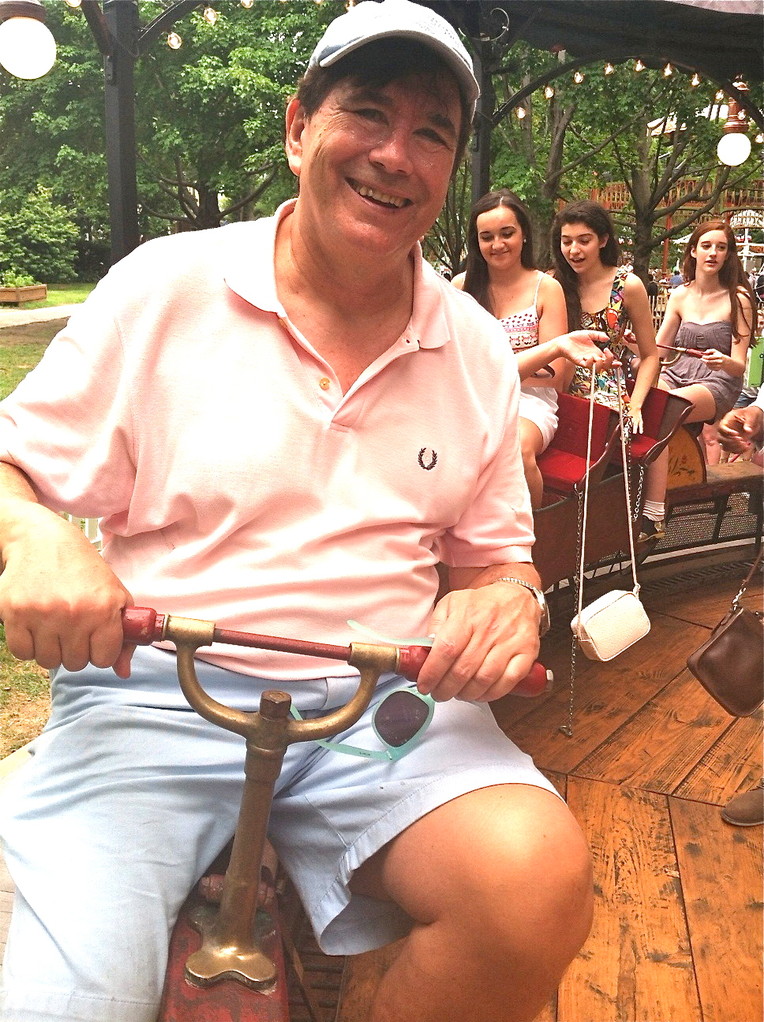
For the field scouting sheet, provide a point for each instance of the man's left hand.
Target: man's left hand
(486, 641)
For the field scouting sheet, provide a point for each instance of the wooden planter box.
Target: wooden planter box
(19, 295)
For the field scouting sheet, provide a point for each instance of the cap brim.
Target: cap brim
(465, 77)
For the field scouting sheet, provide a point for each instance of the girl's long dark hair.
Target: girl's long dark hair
(476, 280)
(731, 275)
(597, 219)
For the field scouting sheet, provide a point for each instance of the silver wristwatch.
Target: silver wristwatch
(544, 623)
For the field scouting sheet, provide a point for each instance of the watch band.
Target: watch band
(544, 623)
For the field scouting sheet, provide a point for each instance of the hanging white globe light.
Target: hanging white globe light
(734, 146)
(27, 48)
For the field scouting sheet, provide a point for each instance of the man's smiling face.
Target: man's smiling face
(374, 162)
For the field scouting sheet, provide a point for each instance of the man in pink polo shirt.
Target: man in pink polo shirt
(283, 426)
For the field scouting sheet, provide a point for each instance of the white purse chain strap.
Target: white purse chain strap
(623, 426)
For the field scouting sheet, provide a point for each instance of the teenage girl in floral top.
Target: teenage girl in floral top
(600, 295)
(500, 273)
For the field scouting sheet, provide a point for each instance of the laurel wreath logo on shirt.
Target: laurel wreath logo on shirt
(428, 459)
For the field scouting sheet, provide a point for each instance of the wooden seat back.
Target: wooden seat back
(563, 464)
(662, 415)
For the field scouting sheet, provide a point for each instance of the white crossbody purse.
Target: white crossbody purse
(616, 620)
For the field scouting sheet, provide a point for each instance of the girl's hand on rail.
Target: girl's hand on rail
(59, 601)
(714, 359)
(637, 422)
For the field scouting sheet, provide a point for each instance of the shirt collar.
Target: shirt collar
(249, 271)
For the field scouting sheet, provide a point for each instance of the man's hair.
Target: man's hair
(377, 64)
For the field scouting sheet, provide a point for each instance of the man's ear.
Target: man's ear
(295, 124)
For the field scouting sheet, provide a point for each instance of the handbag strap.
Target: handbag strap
(567, 728)
(583, 516)
(746, 582)
(623, 431)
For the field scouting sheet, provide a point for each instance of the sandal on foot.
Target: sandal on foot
(652, 532)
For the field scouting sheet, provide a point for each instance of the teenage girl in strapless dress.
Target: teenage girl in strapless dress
(712, 314)
(500, 273)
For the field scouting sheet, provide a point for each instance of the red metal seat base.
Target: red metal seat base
(227, 1000)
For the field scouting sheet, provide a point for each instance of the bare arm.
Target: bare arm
(486, 634)
(59, 600)
(638, 309)
(553, 323)
(672, 320)
(735, 362)
(578, 348)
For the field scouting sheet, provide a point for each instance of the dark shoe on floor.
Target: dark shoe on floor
(745, 810)
(650, 535)
(652, 532)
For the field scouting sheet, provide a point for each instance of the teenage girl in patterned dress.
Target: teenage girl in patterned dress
(500, 273)
(599, 293)
(713, 313)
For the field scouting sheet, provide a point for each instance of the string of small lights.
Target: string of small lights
(736, 124)
(174, 40)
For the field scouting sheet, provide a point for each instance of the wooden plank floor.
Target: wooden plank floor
(677, 935)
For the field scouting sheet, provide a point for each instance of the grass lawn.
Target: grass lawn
(21, 348)
(24, 700)
(58, 294)
(24, 687)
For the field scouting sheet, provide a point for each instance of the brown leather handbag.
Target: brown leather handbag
(730, 663)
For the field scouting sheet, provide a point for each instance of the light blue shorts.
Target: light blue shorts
(130, 795)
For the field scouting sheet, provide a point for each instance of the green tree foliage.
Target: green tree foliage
(52, 132)
(209, 117)
(37, 237)
(210, 126)
(210, 114)
(655, 135)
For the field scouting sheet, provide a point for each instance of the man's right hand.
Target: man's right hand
(60, 602)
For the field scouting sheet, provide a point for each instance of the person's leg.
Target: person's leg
(461, 846)
(531, 445)
(498, 883)
(105, 836)
(656, 477)
(711, 446)
(127, 798)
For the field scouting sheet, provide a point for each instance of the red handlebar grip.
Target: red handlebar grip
(534, 684)
(142, 625)
(411, 660)
(538, 681)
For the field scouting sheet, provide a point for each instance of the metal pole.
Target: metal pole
(119, 65)
(481, 137)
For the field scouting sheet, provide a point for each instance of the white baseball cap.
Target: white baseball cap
(392, 19)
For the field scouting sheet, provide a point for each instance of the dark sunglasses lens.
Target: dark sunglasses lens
(399, 717)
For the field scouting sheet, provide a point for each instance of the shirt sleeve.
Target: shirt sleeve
(67, 425)
(497, 526)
